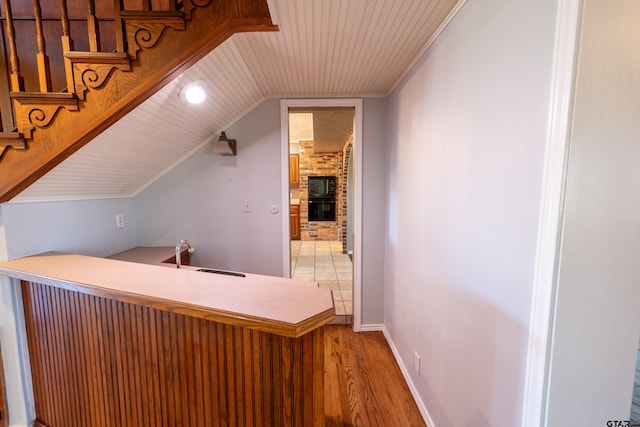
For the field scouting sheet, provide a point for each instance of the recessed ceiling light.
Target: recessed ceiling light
(194, 92)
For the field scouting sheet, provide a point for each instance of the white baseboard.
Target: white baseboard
(405, 373)
(372, 327)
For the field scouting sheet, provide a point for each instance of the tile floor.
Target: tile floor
(324, 262)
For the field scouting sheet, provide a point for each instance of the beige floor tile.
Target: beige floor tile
(348, 308)
(347, 294)
(341, 263)
(344, 275)
(304, 276)
(305, 261)
(345, 284)
(340, 309)
(341, 268)
(324, 262)
(330, 284)
(325, 275)
(324, 268)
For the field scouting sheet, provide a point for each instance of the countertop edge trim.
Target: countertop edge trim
(221, 316)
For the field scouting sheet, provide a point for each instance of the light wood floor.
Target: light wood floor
(363, 383)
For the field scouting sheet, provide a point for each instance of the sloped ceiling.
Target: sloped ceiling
(325, 48)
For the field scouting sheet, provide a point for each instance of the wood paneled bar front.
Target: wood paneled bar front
(116, 343)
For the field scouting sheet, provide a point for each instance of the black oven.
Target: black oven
(322, 210)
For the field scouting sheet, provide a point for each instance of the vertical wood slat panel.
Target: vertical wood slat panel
(101, 362)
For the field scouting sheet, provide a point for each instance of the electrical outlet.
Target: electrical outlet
(416, 362)
(119, 221)
(246, 205)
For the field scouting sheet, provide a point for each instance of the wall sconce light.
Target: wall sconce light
(224, 146)
(194, 92)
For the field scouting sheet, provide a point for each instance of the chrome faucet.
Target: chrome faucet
(190, 249)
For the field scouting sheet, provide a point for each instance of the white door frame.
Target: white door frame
(543, 309)
(285, 104)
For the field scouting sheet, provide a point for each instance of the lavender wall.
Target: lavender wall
(467, 133)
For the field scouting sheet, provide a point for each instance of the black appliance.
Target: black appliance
(322, 198)
(322, 187)
(322, 210)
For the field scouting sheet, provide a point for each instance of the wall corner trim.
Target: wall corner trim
(541, 322)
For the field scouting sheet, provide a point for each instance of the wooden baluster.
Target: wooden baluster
(146, 5)
(117, 7)
(65, 19)
(44, 76)
(6, 110)
(92, 27)
(16, 78)
(66, 45)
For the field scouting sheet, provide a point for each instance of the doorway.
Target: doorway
(320, 139)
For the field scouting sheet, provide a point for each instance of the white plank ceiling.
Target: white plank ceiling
(325, 48)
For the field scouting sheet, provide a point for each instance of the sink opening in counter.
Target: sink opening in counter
(223, 272)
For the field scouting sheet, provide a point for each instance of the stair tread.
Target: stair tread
(124, 14)
(10, 135)
(43, 95)
(75, 54)
(12, 139)
(151, 12)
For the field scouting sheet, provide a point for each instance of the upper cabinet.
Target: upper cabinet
(294, 173)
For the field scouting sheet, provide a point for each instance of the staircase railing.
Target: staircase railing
(33, 71)
(69, 71)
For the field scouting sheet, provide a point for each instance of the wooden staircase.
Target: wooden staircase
(73, 70)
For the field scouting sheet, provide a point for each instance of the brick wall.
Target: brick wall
(319, 164)
(342, 219)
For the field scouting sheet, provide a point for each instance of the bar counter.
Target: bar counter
(114, 342)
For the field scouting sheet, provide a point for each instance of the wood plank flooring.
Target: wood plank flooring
(363, 383)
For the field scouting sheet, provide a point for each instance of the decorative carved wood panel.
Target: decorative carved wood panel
(99, 362)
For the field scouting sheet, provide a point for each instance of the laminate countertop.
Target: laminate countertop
(276, 305)
(152, 255)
